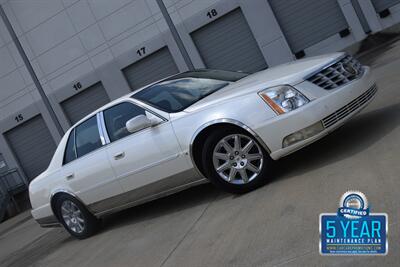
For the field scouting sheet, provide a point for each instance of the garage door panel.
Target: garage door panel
(32, 145)
(307, 22)
(153, 67)
(228, 43)
(381, 5)
(87, 101)
(245, 62)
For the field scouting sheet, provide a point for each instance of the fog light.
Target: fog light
(303, 134)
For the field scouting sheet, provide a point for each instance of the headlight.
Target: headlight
(283, 98)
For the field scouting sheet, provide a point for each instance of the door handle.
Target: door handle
(120, 155)
(69, 177)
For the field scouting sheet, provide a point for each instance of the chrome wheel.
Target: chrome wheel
(237, 159)
(72, 216)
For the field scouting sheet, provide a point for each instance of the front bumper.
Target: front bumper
(333, 109)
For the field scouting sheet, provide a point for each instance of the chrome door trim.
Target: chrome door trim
(130, 199)
(102, 124)
(75, 149)
(102, 128)
(151, 198)
(145, 107)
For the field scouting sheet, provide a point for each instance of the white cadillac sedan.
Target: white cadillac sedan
(206, 125)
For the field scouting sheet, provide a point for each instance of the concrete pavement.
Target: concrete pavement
(276, 225)
(15, 221)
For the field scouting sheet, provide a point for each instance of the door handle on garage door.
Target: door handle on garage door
(120, 155)
(69, 177)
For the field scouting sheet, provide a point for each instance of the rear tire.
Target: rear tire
(75, 217)
(234, 161)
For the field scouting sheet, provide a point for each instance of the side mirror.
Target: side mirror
(140, 122)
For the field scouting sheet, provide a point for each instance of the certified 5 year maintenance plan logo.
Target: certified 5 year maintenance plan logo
(353, 230)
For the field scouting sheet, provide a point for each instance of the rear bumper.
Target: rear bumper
(332, 109)
(50, 221)
(44, 217)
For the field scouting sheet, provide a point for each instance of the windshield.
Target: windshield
(183, 90)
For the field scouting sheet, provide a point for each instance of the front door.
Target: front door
(146, 162)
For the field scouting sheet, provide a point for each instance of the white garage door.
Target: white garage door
(381, 5)
(87, 101)
(33, 146)
(153, 67)
(228, 43)
(307, 22)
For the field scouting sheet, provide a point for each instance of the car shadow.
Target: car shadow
(356, 136)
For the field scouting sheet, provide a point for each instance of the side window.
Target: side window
(87, 137)
(116, 118)
(70, 153)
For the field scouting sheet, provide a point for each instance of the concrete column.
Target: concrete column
(31, 71)
(371, 15)
(175, 34)
(352, 19)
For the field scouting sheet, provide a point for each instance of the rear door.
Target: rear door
(86, 168)
(147, 162)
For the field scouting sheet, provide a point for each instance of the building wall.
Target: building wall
(87, 41)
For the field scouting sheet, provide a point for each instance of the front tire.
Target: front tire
(234, 161)
(75, 218)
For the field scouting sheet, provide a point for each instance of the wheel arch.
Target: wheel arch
(58, 193)
(202, 132)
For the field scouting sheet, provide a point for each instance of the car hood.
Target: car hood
(290, 73)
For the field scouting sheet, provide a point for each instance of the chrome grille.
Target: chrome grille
(338, 74)
(349, 108)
